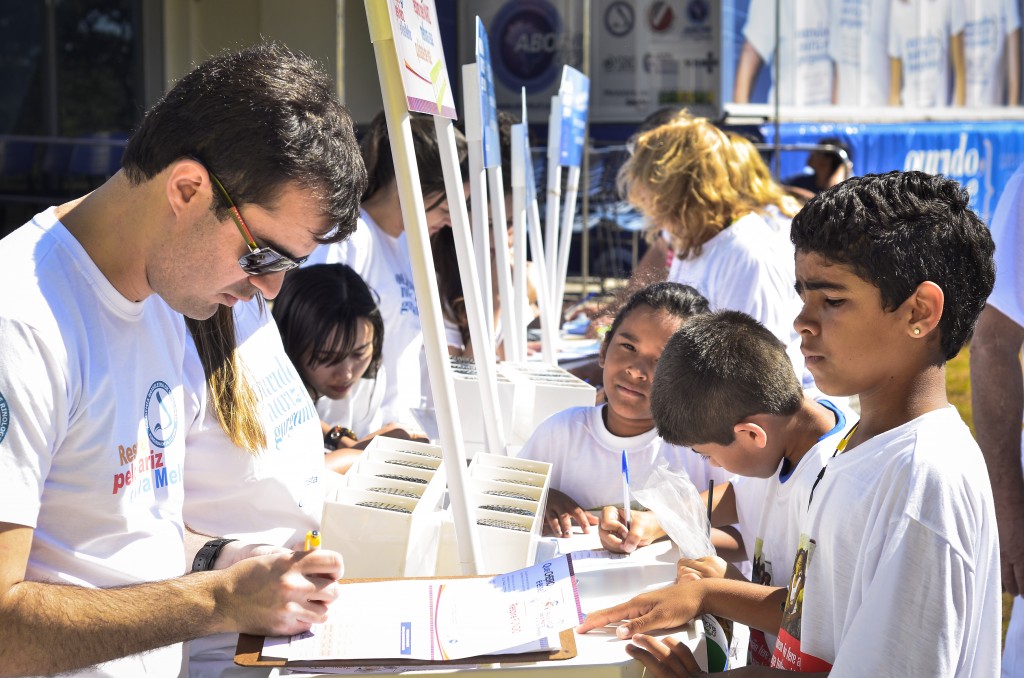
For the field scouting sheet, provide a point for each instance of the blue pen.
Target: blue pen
(625, 489)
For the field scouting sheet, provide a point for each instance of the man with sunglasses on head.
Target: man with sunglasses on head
(234, 177)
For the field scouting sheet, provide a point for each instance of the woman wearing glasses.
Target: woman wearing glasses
(379, 253)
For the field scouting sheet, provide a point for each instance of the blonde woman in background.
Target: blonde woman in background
(685, 177)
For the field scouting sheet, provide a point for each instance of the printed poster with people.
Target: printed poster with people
(788, 654)
(874, 53)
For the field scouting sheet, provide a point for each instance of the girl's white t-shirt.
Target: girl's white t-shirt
(586, 457)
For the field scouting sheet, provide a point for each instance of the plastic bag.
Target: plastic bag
(676, 502)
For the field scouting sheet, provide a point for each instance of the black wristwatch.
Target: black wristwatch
(207, 555)
(332, 439)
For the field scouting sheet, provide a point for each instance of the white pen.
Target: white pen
(625, 489)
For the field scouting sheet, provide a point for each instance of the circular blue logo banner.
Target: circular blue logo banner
(527, 38)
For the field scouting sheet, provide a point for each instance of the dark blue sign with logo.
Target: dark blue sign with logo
(528, 36)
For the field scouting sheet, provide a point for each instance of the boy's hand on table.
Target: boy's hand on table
(560, 513)
(700, 568)
(644, 529)
(665, 608)
(664, 657)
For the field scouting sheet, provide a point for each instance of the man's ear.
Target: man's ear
(185, 182)
(602, 352)
(750, 433)
(924, 306)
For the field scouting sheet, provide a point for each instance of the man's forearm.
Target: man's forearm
(51, 628)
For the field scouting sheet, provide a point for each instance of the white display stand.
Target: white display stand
(390, 519)
(509, 496)
(384, 521)
(528, 393)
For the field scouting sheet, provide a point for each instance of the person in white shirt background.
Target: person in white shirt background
(858, 42)
(992, 52)
(679, 176)
(333, 333)
(804, 65)
(926, 53)
(997, 397)
(379, 252)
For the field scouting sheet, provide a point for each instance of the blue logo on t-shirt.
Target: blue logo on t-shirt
(5, 417)
(161, 415)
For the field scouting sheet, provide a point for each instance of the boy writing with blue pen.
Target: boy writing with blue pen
(897, 569)
(590, 447)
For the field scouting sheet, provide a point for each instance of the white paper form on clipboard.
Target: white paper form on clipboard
(444, 619)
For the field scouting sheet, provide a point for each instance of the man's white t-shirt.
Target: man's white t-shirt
(749, 267)
(919, 35)
(783, 504)
(903, 571)
(858, 43)
(272, 497)
(360, 409)
(1008, 296)
(586, 459)
(384, 263)
(92, 441)
(804, 63)
(986, 25)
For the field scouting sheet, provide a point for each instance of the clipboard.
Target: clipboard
(249, 653)
(249, 650)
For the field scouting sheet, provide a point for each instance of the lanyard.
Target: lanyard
(839, 448)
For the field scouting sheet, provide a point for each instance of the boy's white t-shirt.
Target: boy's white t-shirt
(858, 44)
(903, 578)
(384, 263)
(986, 25)
(919, 35)
(92, 441)
(586, 459)
(783, 504)
(272, 497)
(749, 267)
(360, 409)
(804, 63)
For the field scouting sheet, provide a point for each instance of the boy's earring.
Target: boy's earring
(917, 331)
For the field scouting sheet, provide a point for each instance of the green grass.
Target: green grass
(958, 388)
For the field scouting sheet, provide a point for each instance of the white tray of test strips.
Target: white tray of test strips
(528, 393)
(386, 519)
(508, 496)
(391, 518)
